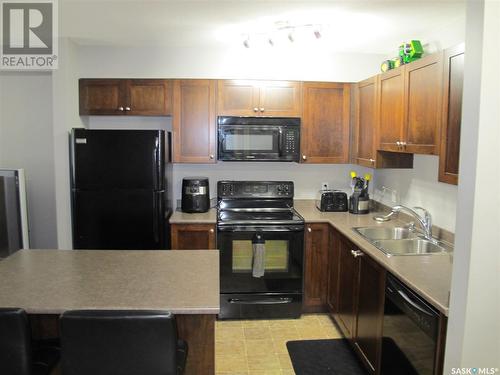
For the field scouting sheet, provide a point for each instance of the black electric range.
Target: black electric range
(251, 213)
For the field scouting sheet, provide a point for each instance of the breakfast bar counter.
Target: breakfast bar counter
(184, 282)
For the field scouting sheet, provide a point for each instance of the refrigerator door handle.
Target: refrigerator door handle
(156, 208)
(156, 180)
(159, 162)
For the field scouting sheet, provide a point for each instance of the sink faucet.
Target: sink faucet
(424, 220)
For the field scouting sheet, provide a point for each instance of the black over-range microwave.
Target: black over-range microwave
(258, 138)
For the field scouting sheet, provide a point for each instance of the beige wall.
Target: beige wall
(26, 141)
(474, 327)
(65, 113)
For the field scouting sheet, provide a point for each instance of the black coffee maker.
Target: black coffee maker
(359, 201)
(195, 194)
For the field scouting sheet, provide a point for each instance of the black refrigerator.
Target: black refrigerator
(119, 189)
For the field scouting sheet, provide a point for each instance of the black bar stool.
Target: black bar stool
(18, 355)
(101, 342)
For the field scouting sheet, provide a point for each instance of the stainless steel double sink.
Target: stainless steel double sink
(401, 241)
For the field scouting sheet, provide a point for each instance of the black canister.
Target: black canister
(359, 204)
(195, 194)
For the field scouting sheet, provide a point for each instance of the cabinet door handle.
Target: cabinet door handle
(309, 229)
(256, 109)
(372, 161)
(212, 230)
(304, 157)
(211, 156)
(262, 109)
(356, 253)
(398, 143)
(120, 109)
(127, 108)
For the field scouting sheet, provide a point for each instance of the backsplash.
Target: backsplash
(306, 177)
(420, 187)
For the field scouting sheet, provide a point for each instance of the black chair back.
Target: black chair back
(15, 342)
(118, 342)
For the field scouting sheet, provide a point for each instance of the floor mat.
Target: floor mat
(324, 357)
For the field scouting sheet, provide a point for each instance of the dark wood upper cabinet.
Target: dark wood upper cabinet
(193, 236)
(150, 97)
(409, 107)
(377, 115)
(325, 122)
(139, 97)
(194, 121)
(102, 96)
(259, 98)
(237, 98)
(370, 312)
(347, 288)
(453, 77)
(391, 110)
(365, 122)
(280, 99)
(423, 98)
(316, 267)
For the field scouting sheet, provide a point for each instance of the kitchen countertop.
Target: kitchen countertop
(179, 217)
(428, 275)
(53, 281)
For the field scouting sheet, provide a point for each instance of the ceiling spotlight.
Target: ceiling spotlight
(317, 33)
(246, 42)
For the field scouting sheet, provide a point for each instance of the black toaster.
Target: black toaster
(331, 201)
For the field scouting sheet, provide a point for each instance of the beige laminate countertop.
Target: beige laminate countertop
(428, 275)
(179, 217)
(53, 281)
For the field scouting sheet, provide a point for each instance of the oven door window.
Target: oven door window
(283, 262)
(276, 258)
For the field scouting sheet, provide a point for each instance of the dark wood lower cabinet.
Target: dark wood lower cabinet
(193, 236)
(316, 267)
(441, 343)
(370, 312)
(199, 332)
(348, 271)
(356, 291)
(333, 272)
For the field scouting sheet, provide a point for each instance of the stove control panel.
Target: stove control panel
(255, 189)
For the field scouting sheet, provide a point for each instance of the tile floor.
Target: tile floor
(258, 347)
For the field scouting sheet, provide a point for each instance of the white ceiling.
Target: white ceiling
(347, 26)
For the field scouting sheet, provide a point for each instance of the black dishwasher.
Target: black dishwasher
(410, 332)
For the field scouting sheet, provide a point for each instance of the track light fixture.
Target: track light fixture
(283, 30)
